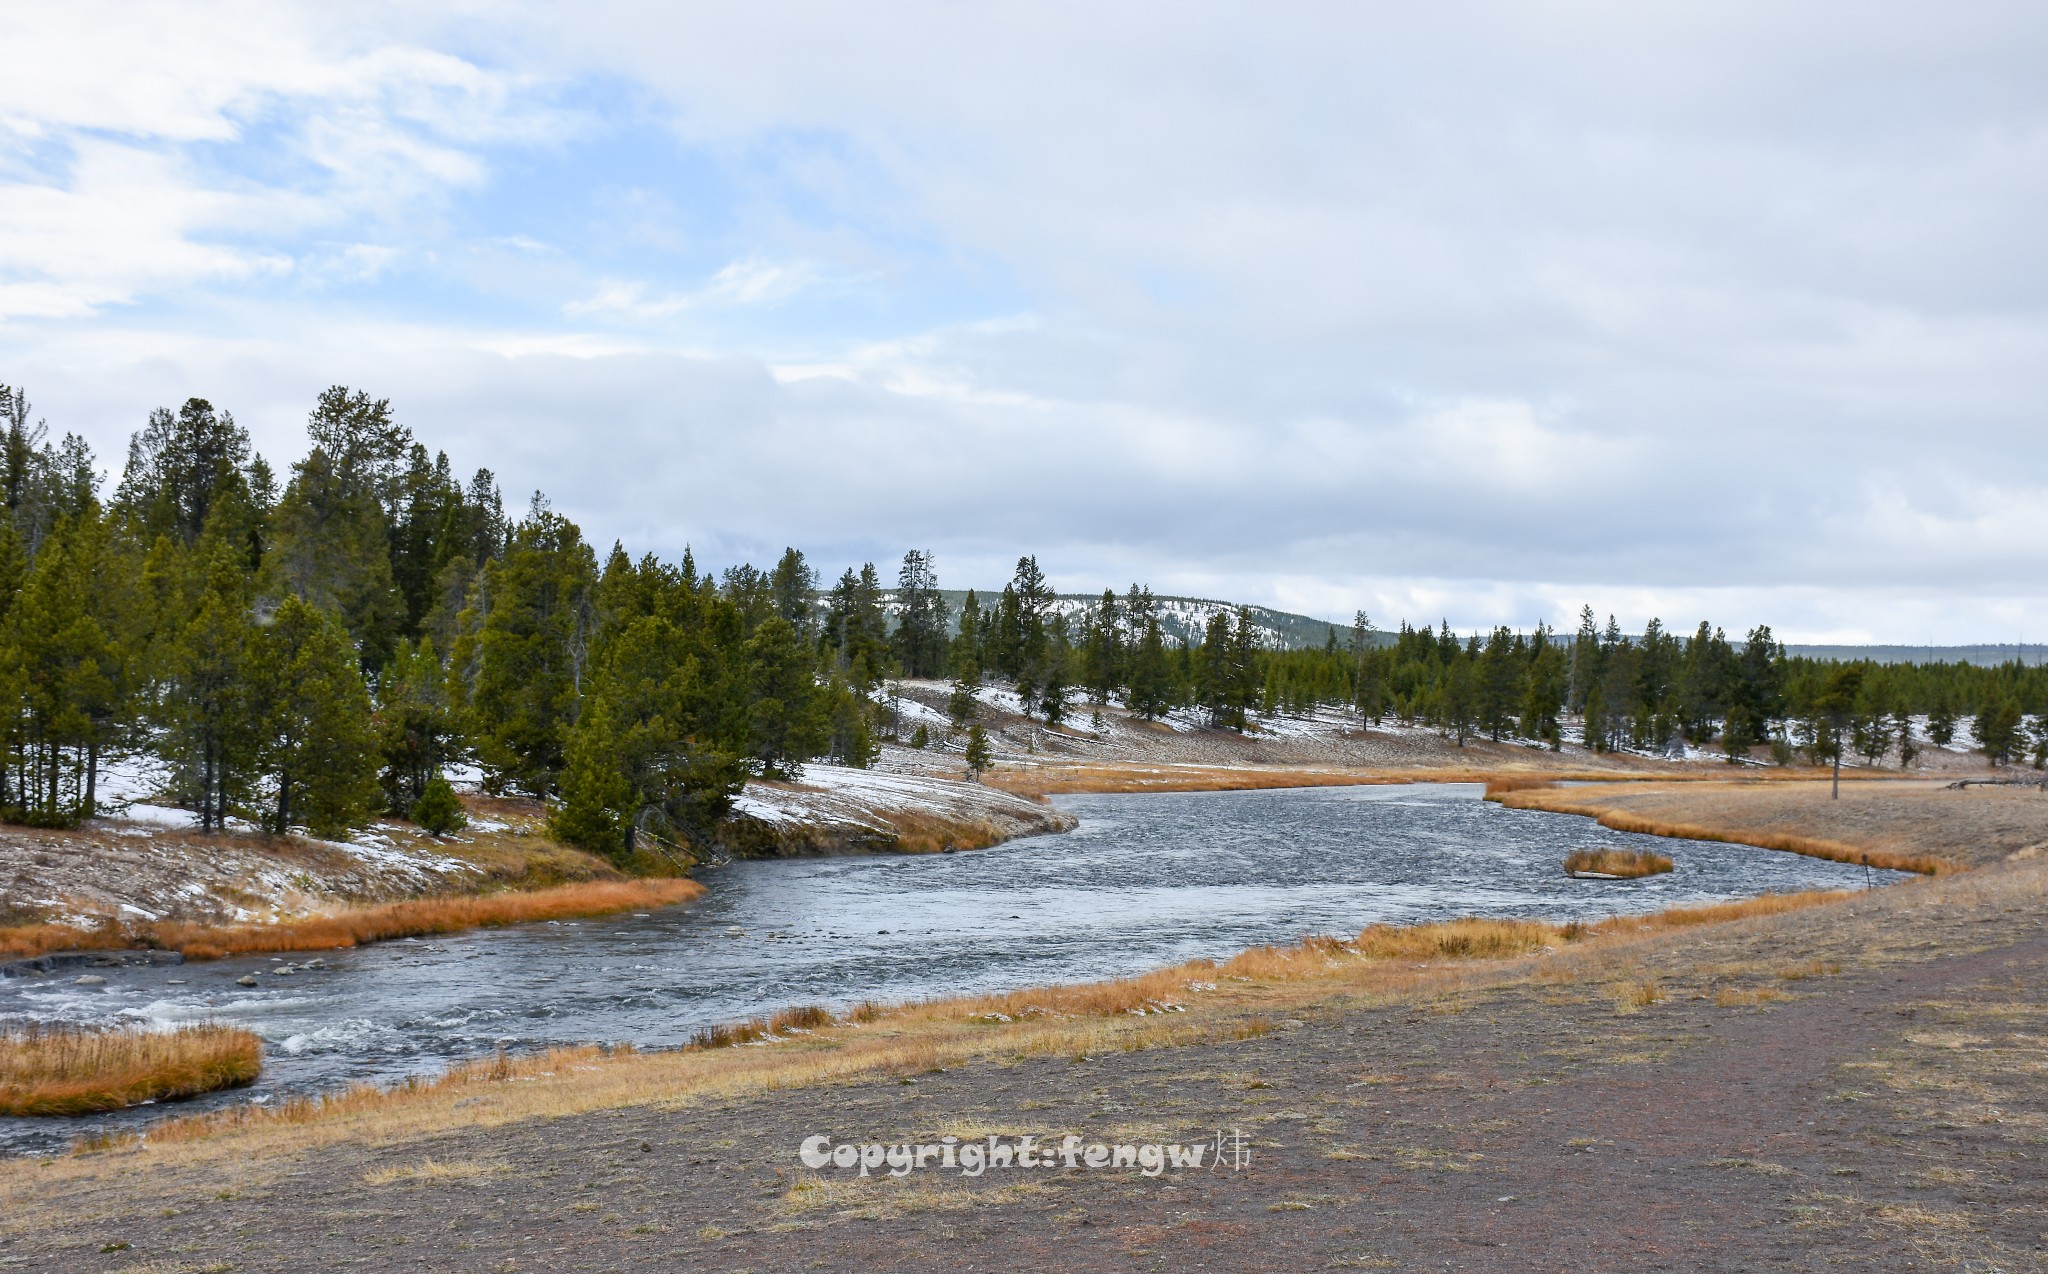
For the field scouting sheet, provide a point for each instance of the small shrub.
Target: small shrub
(439, 811)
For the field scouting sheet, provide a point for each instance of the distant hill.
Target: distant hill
(1188, 616)
(1988, 656)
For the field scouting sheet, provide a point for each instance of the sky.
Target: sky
(1482, 312)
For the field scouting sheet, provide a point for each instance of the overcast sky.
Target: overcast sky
(1716, 311)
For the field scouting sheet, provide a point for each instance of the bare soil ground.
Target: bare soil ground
(1855, 1085)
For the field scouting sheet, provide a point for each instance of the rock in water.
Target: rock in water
(91, 979)
(247, 979)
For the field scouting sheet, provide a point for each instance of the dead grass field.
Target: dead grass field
(354, 926)
(70, 1071)
(1907, 825)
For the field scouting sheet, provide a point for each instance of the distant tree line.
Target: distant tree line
(319, 647)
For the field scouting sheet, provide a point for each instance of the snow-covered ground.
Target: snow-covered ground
(834, 806)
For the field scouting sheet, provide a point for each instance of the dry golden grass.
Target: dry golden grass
(26, 941)
(431, 1169)
(1604, 804)
(70, 1071)
(358, 925)
(425, 916)
(1722, 912)
(1497, 788)
(1634, 997)
(918, 833)
(1626, 863)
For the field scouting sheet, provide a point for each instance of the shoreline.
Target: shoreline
(356, 926)
(1440, 1066)
(914, 831)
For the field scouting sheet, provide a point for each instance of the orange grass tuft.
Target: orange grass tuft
(358, 925)
(60, 1070)
(25, 941)
(1497, 788)
(1627, 863)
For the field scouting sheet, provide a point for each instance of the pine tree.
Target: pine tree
(184, 471)
(795, 588)
(1998, 727)
(646, 754)
(1151, 690)
(1497, 683)
(1461, 696)
(62, 666)
(317, 738)
(418, 731)
(1596, 728)
(210, 730)
(439, 810)
(786, 711)
(977, 756)
(857, 628)
(1103, 654)
(966, 657)
(921, 618)
(961, 705)
(854, 740)
(1543, 691)
(1585, 662)
(1056, 676)
(1941, 720)
(331, 549)
(531, 648)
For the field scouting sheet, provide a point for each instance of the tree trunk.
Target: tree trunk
(284, 802)
(1835, 793)
(206, 786)
(92, 777)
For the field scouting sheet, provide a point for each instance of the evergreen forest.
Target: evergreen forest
(318, 647)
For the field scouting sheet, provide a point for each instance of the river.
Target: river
(1145, 880)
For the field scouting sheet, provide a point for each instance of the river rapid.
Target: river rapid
(1145, 880)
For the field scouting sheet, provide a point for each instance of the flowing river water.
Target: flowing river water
(1145, 880)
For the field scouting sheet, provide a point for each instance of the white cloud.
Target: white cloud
(742, 283)
(1470, 311)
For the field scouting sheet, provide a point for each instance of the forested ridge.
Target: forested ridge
(315, 648)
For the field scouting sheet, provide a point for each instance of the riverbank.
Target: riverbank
(143, 881)
(1921, 826)
(1838, 1078)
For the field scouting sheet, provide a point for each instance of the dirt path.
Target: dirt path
(1860, 1086)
